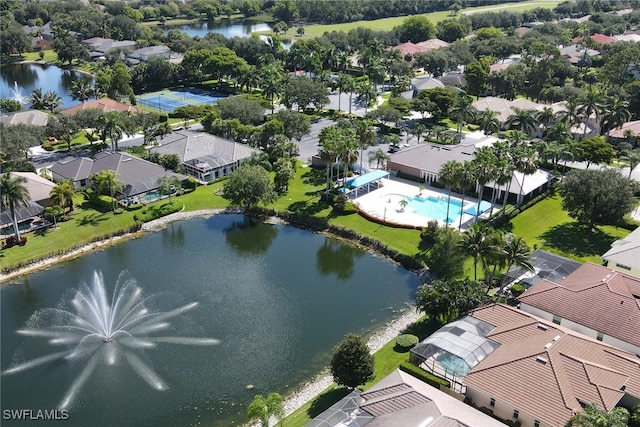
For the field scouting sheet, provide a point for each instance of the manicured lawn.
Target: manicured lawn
(49, 56)
(387, 24)
(547, 226)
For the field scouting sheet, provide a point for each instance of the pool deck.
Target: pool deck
(383, 205)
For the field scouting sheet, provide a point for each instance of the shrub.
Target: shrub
(118, 211)
(11, 242)
(428, 234)
(406, 341)
(517, 290)
(409, 177)
(423, 375)
(154, 212)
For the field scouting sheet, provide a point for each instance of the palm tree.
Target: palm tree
(37, 99)
(418, 130)
(504, 175)
(571, 114)
(448, 175)
(379, 157)
(365, 133)
(260, 158)
(475, 243)
(167, 184)
(525, 163)
(592, 416)
(489, 122)
(633, 157)
(616, 113)
(112, 128)
(262, 409)
(62, 194)
(463, 111)
(82, 90)
(516, 252)
(349, 85)
(330, 144)
(485, 164)
(108, 182)
(524, 120)
(13, 192)
(545, 117)
(591, 104)
(466, 179)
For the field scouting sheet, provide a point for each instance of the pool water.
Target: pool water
(151, 196)
(22, 226)
(453, 365)
(435, 207)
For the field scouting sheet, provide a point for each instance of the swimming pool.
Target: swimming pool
(435, 207)
(151, 196)
(453, 365)
(22, 226)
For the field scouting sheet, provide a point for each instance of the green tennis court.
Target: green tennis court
(166, 101)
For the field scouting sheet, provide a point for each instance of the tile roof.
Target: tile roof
(76, 169)
(619, 132)
(400, 399)
(106, 105)
(597, 37)
(38, 187)
(203, 147)
(625, 251)
(612, 299)
(27, 117)
(549, 371)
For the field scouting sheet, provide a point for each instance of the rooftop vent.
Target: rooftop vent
(556, 338)
(542, 359)
(543, 327)
(548, 345)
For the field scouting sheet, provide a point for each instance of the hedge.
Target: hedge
(423, 375)
(154, 212)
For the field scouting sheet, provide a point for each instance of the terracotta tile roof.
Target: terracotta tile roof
(610, 296)
(550, 371)
(598, 38)
(408, 48)
(106, 105)
(619, 132)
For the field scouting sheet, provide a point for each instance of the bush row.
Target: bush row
(421, 374)
(153, 212)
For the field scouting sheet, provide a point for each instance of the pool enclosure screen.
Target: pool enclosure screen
(456, 348)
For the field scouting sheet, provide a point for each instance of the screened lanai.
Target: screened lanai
(456, 348)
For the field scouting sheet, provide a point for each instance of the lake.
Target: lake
(33, 76)
(277, 297)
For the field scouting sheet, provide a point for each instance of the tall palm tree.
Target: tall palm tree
(37, 99)
(633, 157)
(516, 252)
(571, 113)
(330, 145)
(504, 175)
(418, 130)
(168, 184)
(112, 127)
(62, 194)
(82, 90)
(365, 134)
(380, 157)
(546, 117)
(447, 176)
(525, 163)
(13, 192)
(524, 120)
(591, 104)
(466, 179)
(463, 112)
(349, 85)
(592, 416)
(485, 164)
(616, 113)
(108, 182)
(476, 243)
(489, 122)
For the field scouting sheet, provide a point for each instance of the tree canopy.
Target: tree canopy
(249, 185)
(597, 196)
(444, 300)
(352, 362)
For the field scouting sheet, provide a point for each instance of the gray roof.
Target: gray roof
(455, 79)
(37, 186)
(201, 147)
(138, 175)
(422, 83)
(546, 265)
(149, 51)
(625, 251)
(400, 399)
(27, 117)
(430, 157)
(575, 50)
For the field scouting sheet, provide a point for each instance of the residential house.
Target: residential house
(38, 189)
(414, 49)
(106, 105)
(139, 176)
(628, 37)
(98, 46)
(541, 374)
(204, 156)
(624, 254)
(594, 300)
(598, 38)
(26, 117)
(400, 399)
(143, 54)
(424, 161)
(623, 132)
(574, 53)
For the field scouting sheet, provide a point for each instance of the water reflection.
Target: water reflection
(337, 258)
(250, 237)
(173, 235)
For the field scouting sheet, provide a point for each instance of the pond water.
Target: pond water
(228, 29)
(33, 76)
(278, 298)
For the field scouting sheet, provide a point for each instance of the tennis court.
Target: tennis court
(166, 101)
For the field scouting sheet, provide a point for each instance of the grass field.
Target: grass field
(387, 24)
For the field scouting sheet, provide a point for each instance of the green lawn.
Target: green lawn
(387, 24)
(387, 360)
(547, 226)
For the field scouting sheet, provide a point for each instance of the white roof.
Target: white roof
(625, 251)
